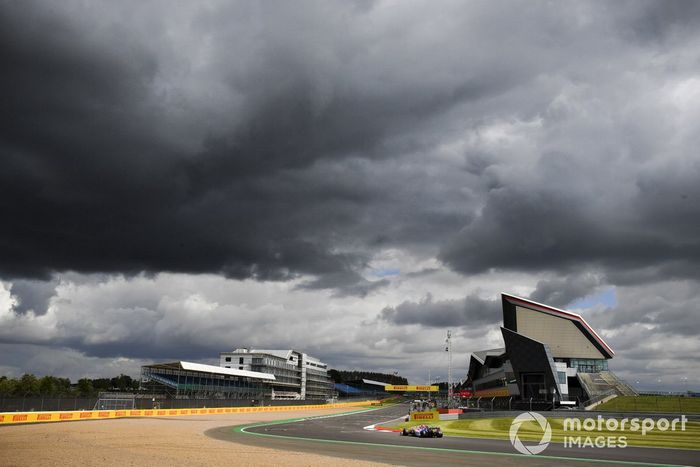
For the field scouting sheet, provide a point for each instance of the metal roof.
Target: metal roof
(482, 354)
(202, 368)
(279, 353)
(275, 353)
(375, 383)
(570, 315)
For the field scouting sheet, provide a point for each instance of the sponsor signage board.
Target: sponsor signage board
(32, 417)
(432, 416)
(405, 388)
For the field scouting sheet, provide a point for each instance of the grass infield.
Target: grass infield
(498, 428)
(652, 404)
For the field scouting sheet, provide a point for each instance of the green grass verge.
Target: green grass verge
(652, 404)
(497, 428)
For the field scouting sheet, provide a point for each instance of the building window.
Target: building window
(589, 365)
(240, 367)
(240, 361)
(228, 359)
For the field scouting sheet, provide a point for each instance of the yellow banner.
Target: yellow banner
(33, 417)
(405, 388)
(432, 416)
(496, 392)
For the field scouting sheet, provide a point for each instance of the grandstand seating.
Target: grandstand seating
(604, 383)
(348, 390)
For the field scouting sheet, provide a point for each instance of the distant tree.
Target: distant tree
(342, 376)
(64, 386)
(335, 376)
(7, 386)
(48, 386)
(28, 385)
(85, 388)
(102, 384)
(124, 383)
(52, 386)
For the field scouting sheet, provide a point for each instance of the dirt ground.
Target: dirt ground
(150, 441)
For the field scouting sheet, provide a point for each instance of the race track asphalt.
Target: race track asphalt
(344, 436)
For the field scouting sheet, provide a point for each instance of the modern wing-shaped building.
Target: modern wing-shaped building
(549, 355)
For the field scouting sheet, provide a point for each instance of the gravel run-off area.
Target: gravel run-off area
(151, 441)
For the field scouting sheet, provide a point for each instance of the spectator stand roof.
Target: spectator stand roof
(374, 383)
(211, 369)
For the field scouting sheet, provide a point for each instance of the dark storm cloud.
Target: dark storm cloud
(96, 178)
(546, 226)
(144, 157)
(302, 141)
(468, 312)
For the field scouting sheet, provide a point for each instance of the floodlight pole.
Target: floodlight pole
(448, 349)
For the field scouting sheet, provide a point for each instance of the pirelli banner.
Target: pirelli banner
(405, 388)
(432, 416)
(43, 417)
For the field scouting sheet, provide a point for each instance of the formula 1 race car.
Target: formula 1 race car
(423, 431)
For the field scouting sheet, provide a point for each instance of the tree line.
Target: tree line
(344, 376)
(29, 385)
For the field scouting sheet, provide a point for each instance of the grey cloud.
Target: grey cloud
(124, 163)
(297, 142)
(560, 292)
(662, 22)
(118, 160)
(667, 308)
(33, 295)
(84, 196)
(468, 312)
(550, 228)
(339, 282)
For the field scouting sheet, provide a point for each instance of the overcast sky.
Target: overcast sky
(350, 179)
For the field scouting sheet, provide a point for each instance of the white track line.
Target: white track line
(374, 426)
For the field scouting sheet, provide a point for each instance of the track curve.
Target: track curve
(344, 436)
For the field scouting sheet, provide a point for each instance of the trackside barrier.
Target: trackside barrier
(41, 417)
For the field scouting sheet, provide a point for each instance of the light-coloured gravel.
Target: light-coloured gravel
(151, 442)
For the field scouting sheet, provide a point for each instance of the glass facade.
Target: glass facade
(285, 373)
(589, 365)
(296, 375)
(173, 379)
(318, 384)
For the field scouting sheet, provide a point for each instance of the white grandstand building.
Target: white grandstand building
(298, 376)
